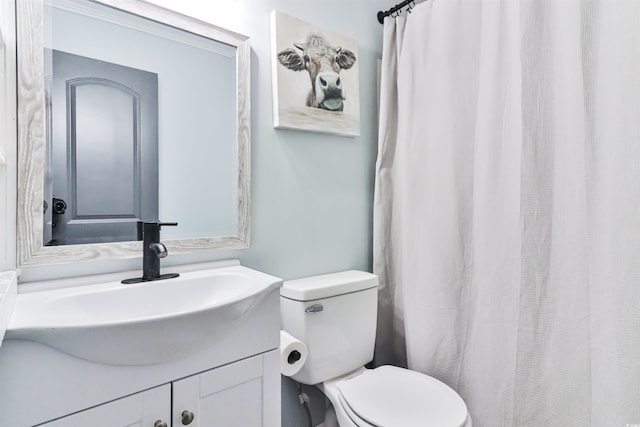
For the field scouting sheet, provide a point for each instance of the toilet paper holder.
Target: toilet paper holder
(293, 354)
(293, 357)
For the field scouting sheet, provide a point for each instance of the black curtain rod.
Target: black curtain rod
(394, 9)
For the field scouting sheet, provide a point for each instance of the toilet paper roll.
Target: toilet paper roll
(293, 354)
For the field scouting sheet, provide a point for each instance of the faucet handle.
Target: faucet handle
(162, 224)
(144, 224)
(150, 226)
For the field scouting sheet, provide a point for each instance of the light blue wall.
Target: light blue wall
(311, 193)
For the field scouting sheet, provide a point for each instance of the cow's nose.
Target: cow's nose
(328, 91)
(329, 81)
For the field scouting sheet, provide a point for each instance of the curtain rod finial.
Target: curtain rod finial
(381, 16)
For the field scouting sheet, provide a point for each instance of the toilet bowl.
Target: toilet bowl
(392, 396)
(335, 316)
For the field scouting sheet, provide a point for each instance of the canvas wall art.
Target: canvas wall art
(315, 78)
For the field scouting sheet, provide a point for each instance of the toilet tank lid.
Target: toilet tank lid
(328, 285)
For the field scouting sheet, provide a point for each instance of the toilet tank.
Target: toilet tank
(335, 316)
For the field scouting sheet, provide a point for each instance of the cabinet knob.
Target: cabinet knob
(160, 423)
(187, 417)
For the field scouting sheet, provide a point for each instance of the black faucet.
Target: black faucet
(152, 251)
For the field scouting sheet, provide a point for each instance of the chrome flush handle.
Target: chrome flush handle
(315, 308)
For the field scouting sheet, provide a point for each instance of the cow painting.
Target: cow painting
(323, 62)
(315, 78)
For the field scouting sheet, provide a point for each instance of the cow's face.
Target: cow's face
(324, 63)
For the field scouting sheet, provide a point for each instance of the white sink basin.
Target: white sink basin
(143, 323)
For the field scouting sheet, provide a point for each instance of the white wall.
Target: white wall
(7, 137)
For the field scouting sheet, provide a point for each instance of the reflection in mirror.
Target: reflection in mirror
(102, 133)
(144, 117)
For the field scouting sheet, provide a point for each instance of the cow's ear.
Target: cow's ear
(345, 58)
(290, 59)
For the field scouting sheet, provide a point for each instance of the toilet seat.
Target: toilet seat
(391, 396)
(352, 415)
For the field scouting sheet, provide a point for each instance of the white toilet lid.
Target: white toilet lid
(352, 415)
(389, 396)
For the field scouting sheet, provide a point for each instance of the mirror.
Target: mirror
(128, 111)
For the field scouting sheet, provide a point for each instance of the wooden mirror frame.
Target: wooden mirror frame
(31, 139)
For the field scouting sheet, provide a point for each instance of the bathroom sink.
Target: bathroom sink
(143, 323)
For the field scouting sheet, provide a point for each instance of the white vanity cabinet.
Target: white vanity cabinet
(232, 382)
(145, 409)
(238, 394)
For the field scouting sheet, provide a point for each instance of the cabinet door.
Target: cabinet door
(243, 393)
(138, 410)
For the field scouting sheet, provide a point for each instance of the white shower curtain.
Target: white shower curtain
(507, 206)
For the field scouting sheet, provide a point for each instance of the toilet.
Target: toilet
(335, 316)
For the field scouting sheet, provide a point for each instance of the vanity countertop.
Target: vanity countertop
(8, 294)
